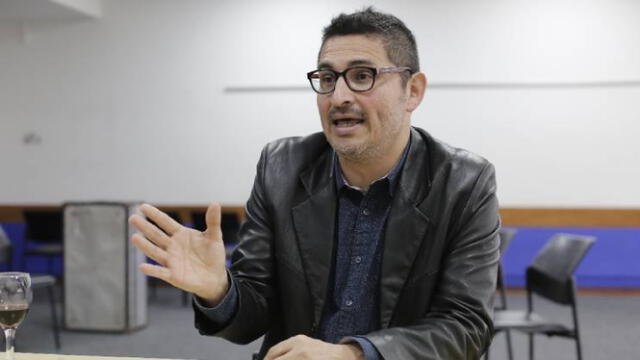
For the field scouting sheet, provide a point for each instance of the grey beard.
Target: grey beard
(360, 154)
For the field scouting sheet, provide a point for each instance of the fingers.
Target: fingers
(164, 221)
(213, 222)
(277, 351)
(155, 271)
(150, 231)
(149, 249)
(282, 348)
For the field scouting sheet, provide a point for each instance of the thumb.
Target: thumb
(212, 219)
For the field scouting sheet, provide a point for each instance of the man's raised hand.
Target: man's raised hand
(188, 259)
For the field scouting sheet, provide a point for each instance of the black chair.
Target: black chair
(172, 214)
(43, 236)
(550, 276)
(47, 282)
(506, 235)
(229, 224)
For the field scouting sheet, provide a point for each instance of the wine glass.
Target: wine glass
(15, 296)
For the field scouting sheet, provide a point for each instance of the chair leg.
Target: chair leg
(576, 326)
(185, 298)
(509, 345)
(50, 265)
(530, 346)
(153, 283)
(578, 346)
(54, 318)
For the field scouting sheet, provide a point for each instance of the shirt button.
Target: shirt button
(348, 302)
(358, 259)
(365, 212)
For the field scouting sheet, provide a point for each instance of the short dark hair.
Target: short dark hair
(398, 40)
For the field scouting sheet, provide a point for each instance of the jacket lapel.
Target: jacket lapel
(314, 222)
(406, 227)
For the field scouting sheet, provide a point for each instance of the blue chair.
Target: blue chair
(43, 236)
(506, 236)
(47, 282)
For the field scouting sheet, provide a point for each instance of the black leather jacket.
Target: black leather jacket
(439, 263)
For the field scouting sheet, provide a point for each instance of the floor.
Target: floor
(610, 326)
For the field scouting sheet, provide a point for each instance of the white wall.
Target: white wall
(133, 106)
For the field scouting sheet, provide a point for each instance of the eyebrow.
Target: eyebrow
(357, 62)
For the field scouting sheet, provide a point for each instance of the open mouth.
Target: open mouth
(347, 122)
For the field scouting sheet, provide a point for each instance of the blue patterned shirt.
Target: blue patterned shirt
(352, 304)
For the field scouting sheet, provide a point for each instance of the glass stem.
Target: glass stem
(9, 335)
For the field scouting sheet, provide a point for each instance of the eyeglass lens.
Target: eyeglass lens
(357, 78)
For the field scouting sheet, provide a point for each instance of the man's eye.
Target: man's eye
(327, 78)
(362, 75)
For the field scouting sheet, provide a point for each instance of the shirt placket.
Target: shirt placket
(361, 247)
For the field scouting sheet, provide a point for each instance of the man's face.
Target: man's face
(362, 125)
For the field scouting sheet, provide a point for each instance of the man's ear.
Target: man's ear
(416, 87)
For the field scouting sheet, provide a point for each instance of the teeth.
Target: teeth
(346, 122)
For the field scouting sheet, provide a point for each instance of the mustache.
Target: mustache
(343, 111)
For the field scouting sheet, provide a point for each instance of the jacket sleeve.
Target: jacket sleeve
(458, 323)
(224, 311)
(252, 271)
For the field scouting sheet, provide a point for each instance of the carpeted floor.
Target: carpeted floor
(610, 327)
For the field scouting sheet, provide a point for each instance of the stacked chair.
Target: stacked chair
(506, 236)
(43, 236)
(46, 282)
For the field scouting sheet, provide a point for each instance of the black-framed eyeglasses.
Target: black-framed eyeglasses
(358, 78)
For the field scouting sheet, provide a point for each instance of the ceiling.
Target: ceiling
(49, 9)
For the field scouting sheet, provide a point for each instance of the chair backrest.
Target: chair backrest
(175, 216)
(229, 224)
(5, 248)
(43, 226)
(198, 220)
(551, 273)
(172, 214)
(506, 235)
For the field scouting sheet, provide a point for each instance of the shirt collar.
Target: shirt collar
(392, 176)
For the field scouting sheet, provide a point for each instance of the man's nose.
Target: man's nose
(341, 94)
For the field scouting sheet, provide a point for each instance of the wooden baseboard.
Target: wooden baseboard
(550, 217)
(13, 213)
(543, 217)
(590, 291)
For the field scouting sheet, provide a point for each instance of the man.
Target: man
(371, 240)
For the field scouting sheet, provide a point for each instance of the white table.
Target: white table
(35, 356)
